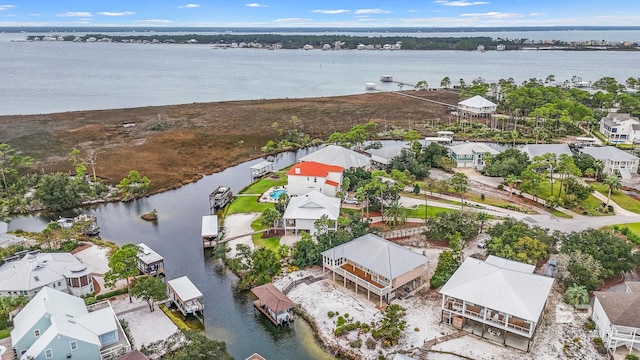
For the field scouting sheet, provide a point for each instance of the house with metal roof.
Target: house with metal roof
(56, 325)
(620, 128)
(477, 106)
(499, 299)
(26, 273)
(338, 156)
(617, 318)
(382, 157)
(376, 266)
(533, 150)
(307, 176)
(471, 154)
(614, 160)
(303, 211)
(149, 261)
(273, 304)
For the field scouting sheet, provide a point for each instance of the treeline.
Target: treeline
(298, 41)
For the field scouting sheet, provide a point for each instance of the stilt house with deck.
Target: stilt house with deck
(617, 318)
(376, 266)
(498, 299)
(149, 261)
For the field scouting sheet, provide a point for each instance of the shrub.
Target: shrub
(338, 331)
(416, 329)
(346, 315)
(331, 314)
(365, 328)
(356, 343)
(341, 321)
(631, 357)
(370, 343)
(590, 325)
(598, 341)
(500, 187)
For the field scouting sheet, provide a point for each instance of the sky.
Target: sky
(327, 13)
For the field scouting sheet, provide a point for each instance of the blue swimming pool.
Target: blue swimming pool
(275, 194)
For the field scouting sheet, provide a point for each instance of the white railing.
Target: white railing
(114, 352)
(375, 289)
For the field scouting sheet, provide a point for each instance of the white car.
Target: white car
(353, 201)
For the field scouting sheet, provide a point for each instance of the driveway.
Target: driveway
(238, 224)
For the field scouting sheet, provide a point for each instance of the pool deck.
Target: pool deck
(265, 198)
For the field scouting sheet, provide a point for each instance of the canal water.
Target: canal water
(229, 314)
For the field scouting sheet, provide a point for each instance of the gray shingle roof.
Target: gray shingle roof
(622, 309)
(339, 156)
(534, 150)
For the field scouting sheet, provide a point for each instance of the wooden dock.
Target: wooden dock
(428, 344)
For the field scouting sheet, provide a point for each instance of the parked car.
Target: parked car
(353, 201)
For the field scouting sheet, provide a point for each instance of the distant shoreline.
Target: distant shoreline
(343, 42)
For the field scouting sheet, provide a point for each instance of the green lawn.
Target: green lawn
(488, 200)
(634, 227)
(271, 243)
(587, 206)
(263, 185)
(5, 333)
(560, 214)
(247, 204)
(419, 212)
(625, 201)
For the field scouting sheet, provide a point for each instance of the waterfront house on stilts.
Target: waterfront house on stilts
(149, 261)
(275, 305)
(186, 296)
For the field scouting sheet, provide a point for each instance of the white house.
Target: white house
(376, 266)
(303, 211)
(617, 318)
(338, 156)
(477, 106)
(471, 154)
(310, 175)
(499, 299)
(620, 128)
(27, 272)
(614, 160)
(56, 325)
(533, 150)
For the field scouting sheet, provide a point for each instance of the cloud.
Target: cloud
(372, 11)
(5, 7)
(76, 14)
(292, 20)
(121, 13)
(460, 3)
(413, 11)
(494, 15)
(153, 22)
(190, 6)
(255, 5)
(537, 14)
(331, 11)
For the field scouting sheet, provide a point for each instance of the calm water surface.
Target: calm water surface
(44, 77)
(229, 314)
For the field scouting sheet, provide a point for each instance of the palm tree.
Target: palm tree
(482, 217)
(576, 295)
(445, 83)
(614, 183)
(395, 214)
(597, 167)
(460, 183)
(511, 181)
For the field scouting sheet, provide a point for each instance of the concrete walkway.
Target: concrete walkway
(616, 208)
(236, 225)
